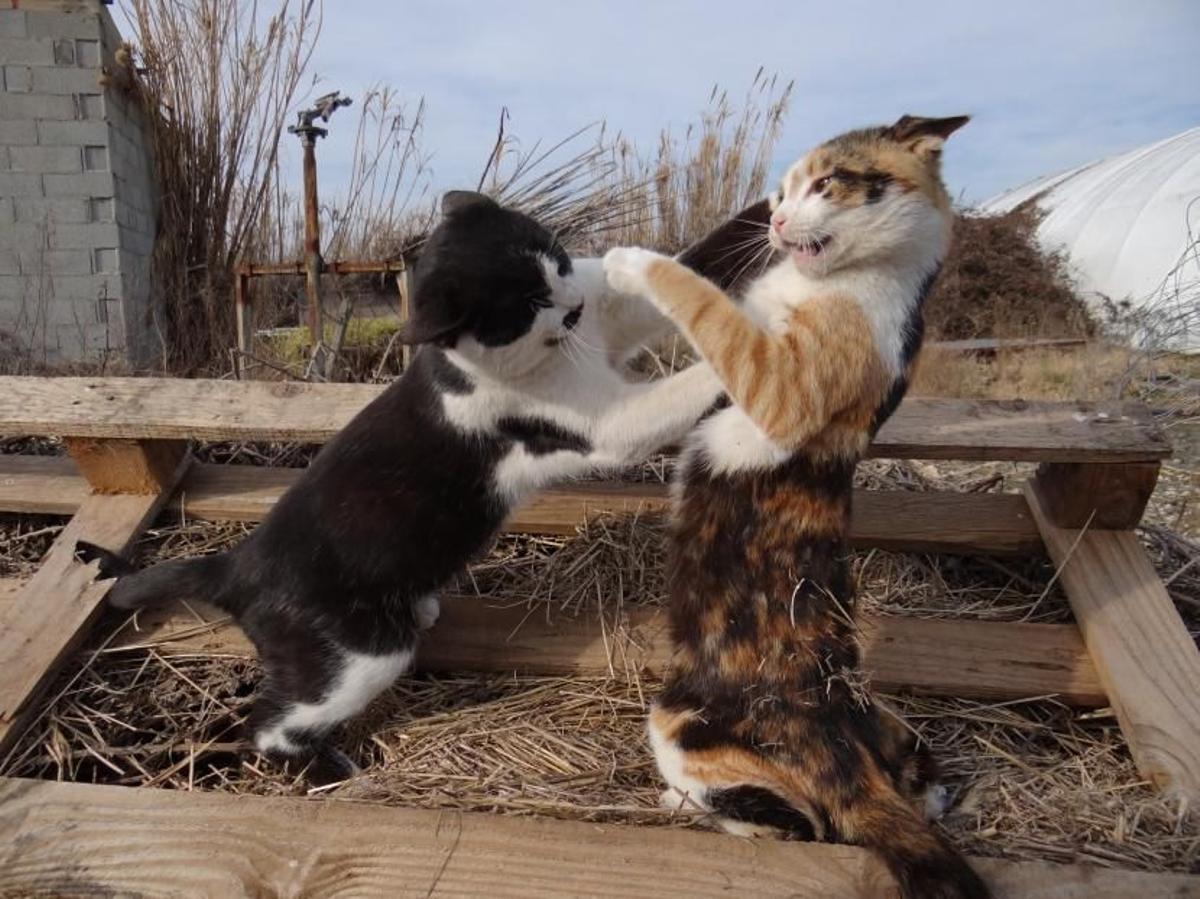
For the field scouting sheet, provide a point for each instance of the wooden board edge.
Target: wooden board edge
(60, 837)
(1141, 650)
(979, 659)
(990, 523)
(54, 609)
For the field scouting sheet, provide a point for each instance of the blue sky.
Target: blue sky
(1050, 84)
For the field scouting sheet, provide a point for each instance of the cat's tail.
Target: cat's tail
(190, 579)
(924, 865)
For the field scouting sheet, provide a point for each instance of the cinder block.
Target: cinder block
(22, 51)
(90, 107)
(101, 209)
(10, 265)
(95, 159)
(12, 23)
(71, 311)
(20, 133)
(87, 53)
(64, 52)
(23, 236)
(105, 260)
(59, 80)
(137, 243)
(71, 134)
(42, 263)
(63, 24)
(89, 342)
(8, 213)
(40, 210)
(89, 236)
(20, 184)
(88, 287)
(18, 79)
(36, 106)
(13, 288)
(85, 184)
(44, 160)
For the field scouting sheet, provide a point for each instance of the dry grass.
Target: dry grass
(997, 282)
(1032, 779)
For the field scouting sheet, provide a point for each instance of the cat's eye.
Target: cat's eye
(540, 301)
(821, 183)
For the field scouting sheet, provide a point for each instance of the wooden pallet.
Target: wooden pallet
(128, 462)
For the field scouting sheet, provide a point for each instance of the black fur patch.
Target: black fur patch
(914, 335)
(541, 437)
(725, 256)
(756, 805)
(447, 376)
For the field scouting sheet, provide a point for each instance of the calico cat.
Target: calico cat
(765, 720)
(517, 384)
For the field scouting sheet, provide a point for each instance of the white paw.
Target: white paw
(426, 611)
(672, 800)
(626, 269)
(937, 800)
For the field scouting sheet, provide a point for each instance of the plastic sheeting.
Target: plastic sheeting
(1130, 227)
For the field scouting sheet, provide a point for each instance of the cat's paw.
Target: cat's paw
(626, 269)
(426, 611)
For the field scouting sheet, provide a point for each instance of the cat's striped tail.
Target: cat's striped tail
(189, 579)
(924, 865)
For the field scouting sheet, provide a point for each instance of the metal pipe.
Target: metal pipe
(312, 245)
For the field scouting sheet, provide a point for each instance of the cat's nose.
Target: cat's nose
(571, 319)
(778, 221)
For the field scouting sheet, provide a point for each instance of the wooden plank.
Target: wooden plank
(9, 588)
(53, 610)
(49, 485)
(983, 659)
(923, 428)
(993, 345)
(1109, 497)
(64, 838)
(1144, 656)
(994, 523)
(126, 466)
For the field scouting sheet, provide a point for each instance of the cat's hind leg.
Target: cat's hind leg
(305, 695)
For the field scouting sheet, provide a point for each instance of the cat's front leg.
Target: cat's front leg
(653, 415)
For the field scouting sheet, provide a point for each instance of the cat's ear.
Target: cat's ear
(924, 136)
(431, 327)
(434, 317)
(457, 200)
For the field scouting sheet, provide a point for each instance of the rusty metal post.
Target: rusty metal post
(245, 327)
(404, 284)
(312, 249)
(308, 133)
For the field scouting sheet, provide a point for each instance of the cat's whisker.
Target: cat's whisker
(745, 245)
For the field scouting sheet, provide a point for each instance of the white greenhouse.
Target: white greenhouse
(1130, 227)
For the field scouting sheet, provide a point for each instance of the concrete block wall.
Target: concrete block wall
(77, 196)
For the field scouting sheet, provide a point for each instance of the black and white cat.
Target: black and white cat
(517, 384)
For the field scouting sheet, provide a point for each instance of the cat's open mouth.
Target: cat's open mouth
(809, 247)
